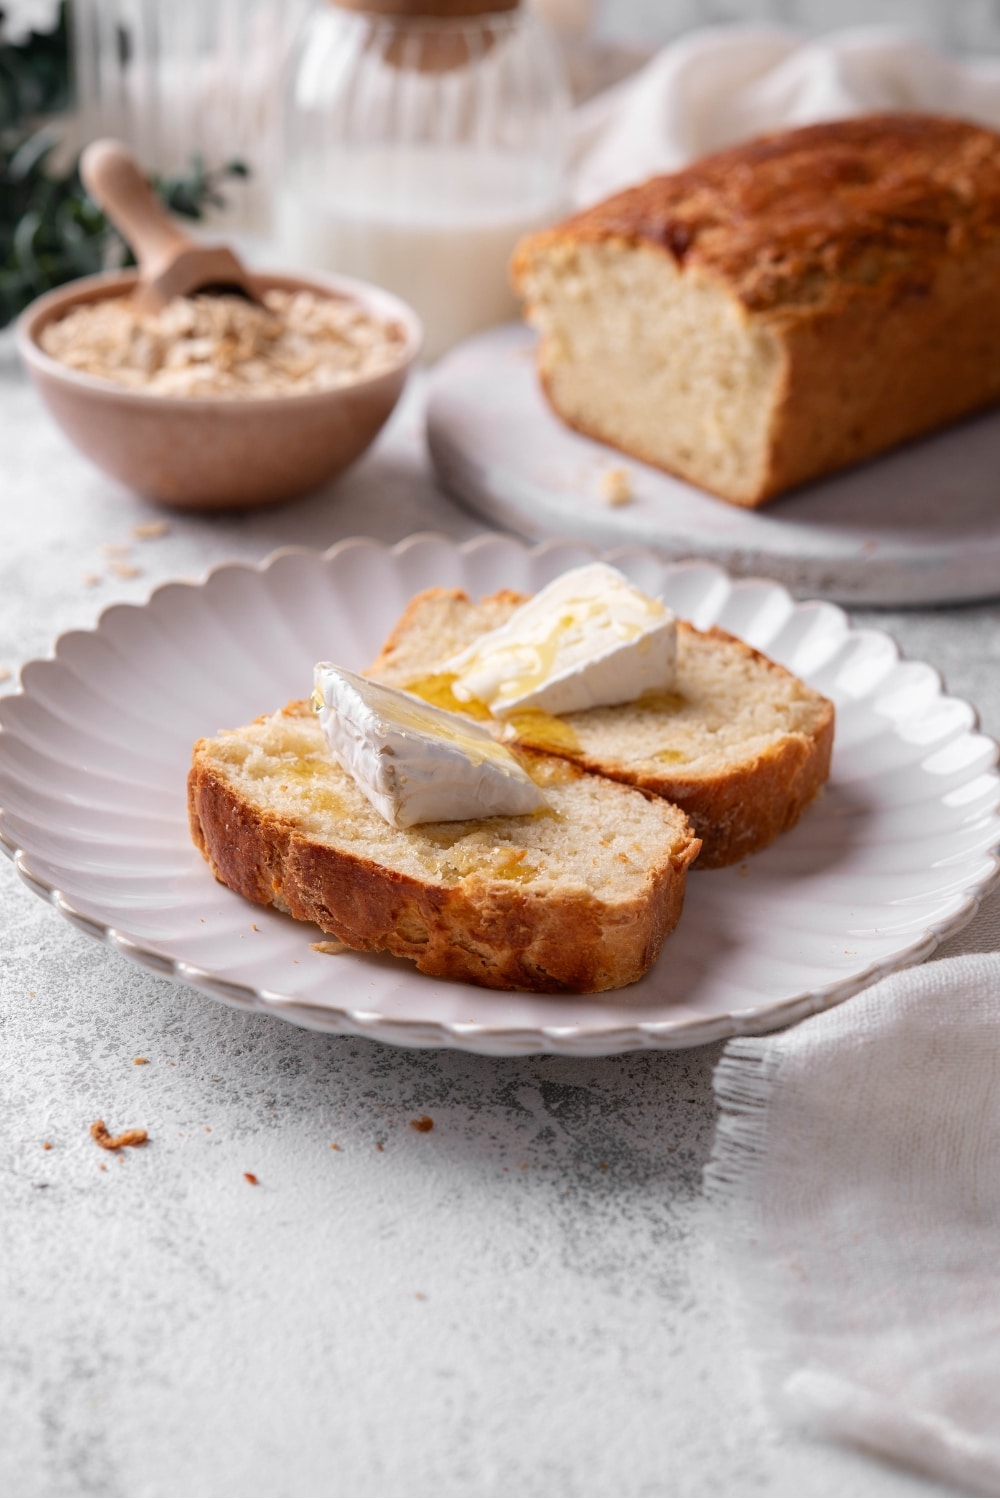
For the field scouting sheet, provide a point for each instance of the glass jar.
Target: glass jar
(421, 140)
(179, 78)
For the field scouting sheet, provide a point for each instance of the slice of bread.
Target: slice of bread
(577, 897)
(740, 743)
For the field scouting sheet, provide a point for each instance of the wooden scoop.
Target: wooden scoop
(171, 263)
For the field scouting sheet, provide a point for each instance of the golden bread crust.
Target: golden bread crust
(804, 219)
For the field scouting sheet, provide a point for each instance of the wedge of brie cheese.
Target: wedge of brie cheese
(416, 763)
(588, 638)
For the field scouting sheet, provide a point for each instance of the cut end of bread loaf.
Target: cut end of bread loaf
(739, 743)
(577, 898)
(661, 363)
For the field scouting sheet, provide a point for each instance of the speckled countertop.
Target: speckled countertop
(520, 1301)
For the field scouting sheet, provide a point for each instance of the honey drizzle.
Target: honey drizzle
(311, 773)
(437, 690)
(662, 701)
(531, 725)
(535, 727)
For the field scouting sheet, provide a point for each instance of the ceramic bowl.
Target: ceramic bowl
(205, 453)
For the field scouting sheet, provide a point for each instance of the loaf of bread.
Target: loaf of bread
(781, 309)
(739, 743)
(577, 897)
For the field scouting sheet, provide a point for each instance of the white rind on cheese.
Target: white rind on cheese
(588, 639)
(416, 763)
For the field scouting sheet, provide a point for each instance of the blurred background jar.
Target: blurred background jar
(175, 79)
(422, 138)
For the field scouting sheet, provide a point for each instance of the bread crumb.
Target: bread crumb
(208, 1130)
(334, 1146)
(423, 1124)
(108, 1142)
(379, 1146)
(5, 674)
(91, 579)
(102, 1168)
(124, 570)
(254, 927)
(616, 486)
(330, 945)
(46, 1145)
(147, 531)
(251, 1178)
(140, 1062)
(420, 1296)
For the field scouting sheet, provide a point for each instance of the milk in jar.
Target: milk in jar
(418, 151)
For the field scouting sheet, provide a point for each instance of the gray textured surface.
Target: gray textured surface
(520, 1301)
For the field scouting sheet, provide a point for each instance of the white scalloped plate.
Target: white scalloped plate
(94, 750)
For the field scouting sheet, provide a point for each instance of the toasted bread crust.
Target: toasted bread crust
(480, 931)
(735, 812)
(812, 218)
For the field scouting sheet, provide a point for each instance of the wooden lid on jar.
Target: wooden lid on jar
(434, 10)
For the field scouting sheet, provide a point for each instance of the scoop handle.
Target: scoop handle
(113, 178)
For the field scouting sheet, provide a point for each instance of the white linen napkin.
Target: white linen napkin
(716, 87)
(855, 1183)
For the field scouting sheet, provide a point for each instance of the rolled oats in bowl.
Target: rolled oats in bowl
(221, 345)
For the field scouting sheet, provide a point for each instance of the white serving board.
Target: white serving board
(918, 526)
